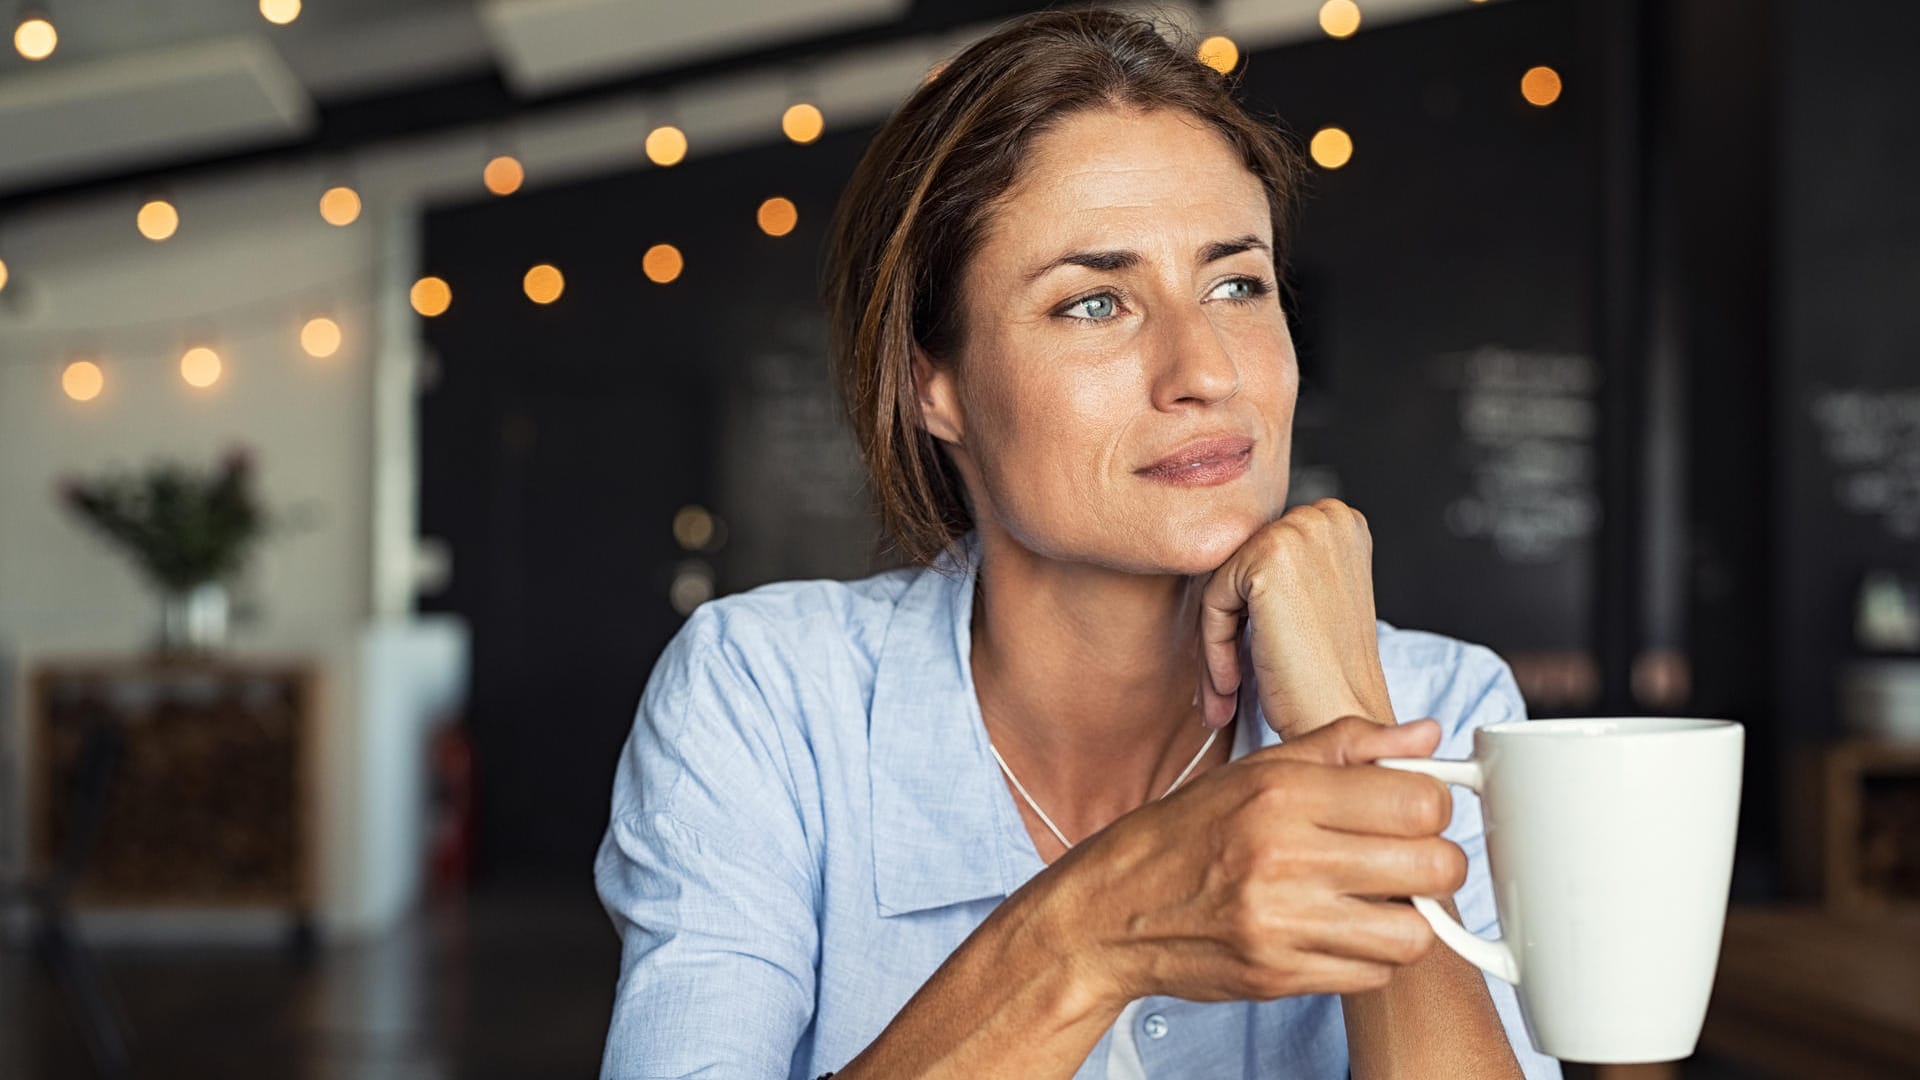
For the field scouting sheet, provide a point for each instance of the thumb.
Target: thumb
(1354, 740)
(1415, 738)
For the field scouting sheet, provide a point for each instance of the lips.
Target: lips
(1210, 460)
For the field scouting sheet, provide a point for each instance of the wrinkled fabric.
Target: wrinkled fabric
(807, 820)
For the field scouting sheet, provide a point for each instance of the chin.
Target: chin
(1199, 547)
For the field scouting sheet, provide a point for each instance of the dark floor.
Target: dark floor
(511, 983)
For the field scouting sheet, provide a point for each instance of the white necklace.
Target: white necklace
(1064, 842)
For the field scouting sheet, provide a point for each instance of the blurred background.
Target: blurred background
(383, 381)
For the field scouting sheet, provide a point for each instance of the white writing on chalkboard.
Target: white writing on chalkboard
(1527, 423)
(1871, 441)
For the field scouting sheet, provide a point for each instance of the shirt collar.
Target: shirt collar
(939, 834)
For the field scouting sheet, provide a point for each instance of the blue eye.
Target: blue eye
(1255, 288)
(1095, 314)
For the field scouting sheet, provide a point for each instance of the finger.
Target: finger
(1223, 607)
(1376, 931)
(1371, 800)
(1355, 740)
(1322, 973)
(1376, 867)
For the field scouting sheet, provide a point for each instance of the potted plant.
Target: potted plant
(188, 530)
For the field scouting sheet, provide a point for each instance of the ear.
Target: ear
(940, 411)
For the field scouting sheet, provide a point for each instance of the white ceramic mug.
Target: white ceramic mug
(1610, 842)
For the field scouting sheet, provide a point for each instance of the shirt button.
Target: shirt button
(1155, 1026)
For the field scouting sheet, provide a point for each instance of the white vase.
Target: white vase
(193, 620)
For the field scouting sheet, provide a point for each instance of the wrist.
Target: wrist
(1056, 934)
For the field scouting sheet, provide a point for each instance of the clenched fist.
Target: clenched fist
(1305, 582)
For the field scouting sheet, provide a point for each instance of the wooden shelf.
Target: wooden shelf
(208, 800)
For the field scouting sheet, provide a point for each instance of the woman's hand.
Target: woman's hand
(1264, 878)
(1306, 583)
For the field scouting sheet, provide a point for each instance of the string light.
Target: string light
(35, 38)
(430, 296)
(777, 216)
(340, 205)
(320, 337)
(1331, 147)
(543, 283)
(1340, 18)
(1540, 86)
(503, 175)
(200, 367)
(666, 145)
(82, 380)
(1219, 53)
(280, 12)
(157, 220)
(802, 123)
(662, 263)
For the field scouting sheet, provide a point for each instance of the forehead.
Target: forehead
(1101, 173)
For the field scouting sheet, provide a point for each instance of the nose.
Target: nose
(1191, 362)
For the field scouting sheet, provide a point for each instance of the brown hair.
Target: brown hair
(917, 204)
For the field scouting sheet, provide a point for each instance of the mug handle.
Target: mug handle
(1495, 957)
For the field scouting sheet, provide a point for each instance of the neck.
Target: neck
(1086, 678)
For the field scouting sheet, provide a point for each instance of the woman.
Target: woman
(912, 826)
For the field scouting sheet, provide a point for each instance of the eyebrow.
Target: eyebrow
(1122, 259)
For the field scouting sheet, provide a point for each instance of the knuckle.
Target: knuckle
(1413, 938)
(1456, 867)
(1247, 925)
(1351, 728)
(1264, 982)
(1428, 806)
(1442, 866)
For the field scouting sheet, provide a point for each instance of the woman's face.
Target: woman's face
(1125, 388)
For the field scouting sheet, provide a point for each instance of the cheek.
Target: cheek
(1046, 428)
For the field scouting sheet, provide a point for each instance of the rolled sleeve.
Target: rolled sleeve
(1497, 701)
(705, 873)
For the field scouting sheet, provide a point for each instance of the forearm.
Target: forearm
(1434, 1019)
(1010, 1001)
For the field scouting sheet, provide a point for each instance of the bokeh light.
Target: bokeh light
(1219, 53)
(157, 219)
(35, 38)
(430, 296)
(1340, 18)
(543, 283)
(666, 145)
(803, 123)
(82, 380)
(320, 337)
(280, 12)
(3, 273)
(662, 263)
(693, 527)
(777, 216)
(1331, 148)
(504, 175)
(1540, 86)
(200, 366)
(340, 205)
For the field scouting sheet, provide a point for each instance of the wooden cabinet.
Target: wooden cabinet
(1872, 828)
(186, 784)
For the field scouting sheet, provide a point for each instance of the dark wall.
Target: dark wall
(1847, 326)
(558, 442)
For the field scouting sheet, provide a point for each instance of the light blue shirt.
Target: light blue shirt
(807, 821)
